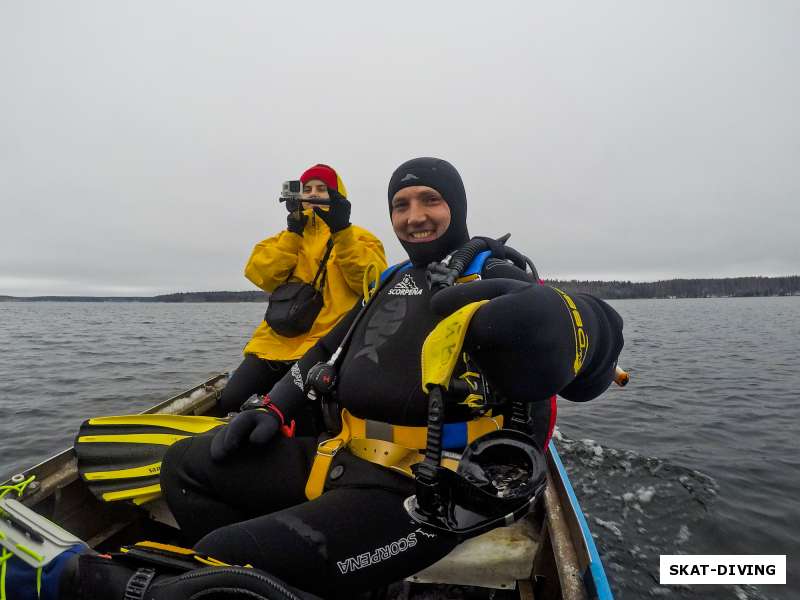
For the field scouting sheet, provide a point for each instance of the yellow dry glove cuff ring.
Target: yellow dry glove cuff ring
(442, 347)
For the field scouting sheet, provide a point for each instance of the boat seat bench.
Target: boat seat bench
(496, 559)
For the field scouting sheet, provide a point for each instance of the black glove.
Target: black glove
(337, 217)
(529, 342)
(254, 426)
(296, 220)
(450, 299)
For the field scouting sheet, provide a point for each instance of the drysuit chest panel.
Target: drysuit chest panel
(380, 374)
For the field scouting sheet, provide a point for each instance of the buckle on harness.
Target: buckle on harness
(322, 450)
(322, 461)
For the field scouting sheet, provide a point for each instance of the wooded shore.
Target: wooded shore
(610, 290)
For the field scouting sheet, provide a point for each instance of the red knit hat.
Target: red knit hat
(327, 175)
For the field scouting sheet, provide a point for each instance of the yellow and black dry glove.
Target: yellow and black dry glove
(337, 217)
(533, 341)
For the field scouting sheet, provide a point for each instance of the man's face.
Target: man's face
(314, 189)
(419, 214)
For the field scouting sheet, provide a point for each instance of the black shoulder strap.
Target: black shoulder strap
(323, 266)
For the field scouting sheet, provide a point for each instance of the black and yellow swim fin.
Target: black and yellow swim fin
(119, 458)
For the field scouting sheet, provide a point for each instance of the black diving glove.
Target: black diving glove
(253, 425)
(296, 220)
(337, 217)
(451, 298)
(533, 341)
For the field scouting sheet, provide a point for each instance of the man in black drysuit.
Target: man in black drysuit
(239, 495)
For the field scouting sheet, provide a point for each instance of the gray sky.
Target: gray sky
(143, 144)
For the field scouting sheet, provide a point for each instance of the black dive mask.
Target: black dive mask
(443, 177)
(499, 477)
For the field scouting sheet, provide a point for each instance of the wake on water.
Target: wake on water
(638, 508)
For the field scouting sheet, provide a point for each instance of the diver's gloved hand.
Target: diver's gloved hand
(256, 426)
(337, 217)
(296, 220)
(450, 299)
(533, 341)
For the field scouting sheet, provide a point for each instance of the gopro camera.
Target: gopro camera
(291, 193)
(291, 189)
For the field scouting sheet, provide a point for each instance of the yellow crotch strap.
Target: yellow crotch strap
(322, 461)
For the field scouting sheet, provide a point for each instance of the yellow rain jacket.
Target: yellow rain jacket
(276, 258)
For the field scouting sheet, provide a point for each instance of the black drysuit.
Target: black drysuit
(251, 508)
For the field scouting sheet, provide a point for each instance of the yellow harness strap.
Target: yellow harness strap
(322, 461)
(397, 455)
(393, 456)
(387, 454)
(410, 436)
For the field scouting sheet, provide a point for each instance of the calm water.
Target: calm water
(698, 455)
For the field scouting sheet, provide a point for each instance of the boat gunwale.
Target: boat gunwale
(591, 569)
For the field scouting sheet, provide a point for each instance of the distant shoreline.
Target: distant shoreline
(731, 287)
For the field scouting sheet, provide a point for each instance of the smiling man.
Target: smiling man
(419, 214)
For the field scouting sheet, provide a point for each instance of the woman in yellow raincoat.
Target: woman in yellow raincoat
(295, 254)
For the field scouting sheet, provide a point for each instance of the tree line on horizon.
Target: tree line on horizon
(729, 287)
(608, 290)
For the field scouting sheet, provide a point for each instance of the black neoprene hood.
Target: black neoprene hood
(444, 178)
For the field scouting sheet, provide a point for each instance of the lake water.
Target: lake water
(698, 455)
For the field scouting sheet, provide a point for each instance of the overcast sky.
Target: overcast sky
(143, 144)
